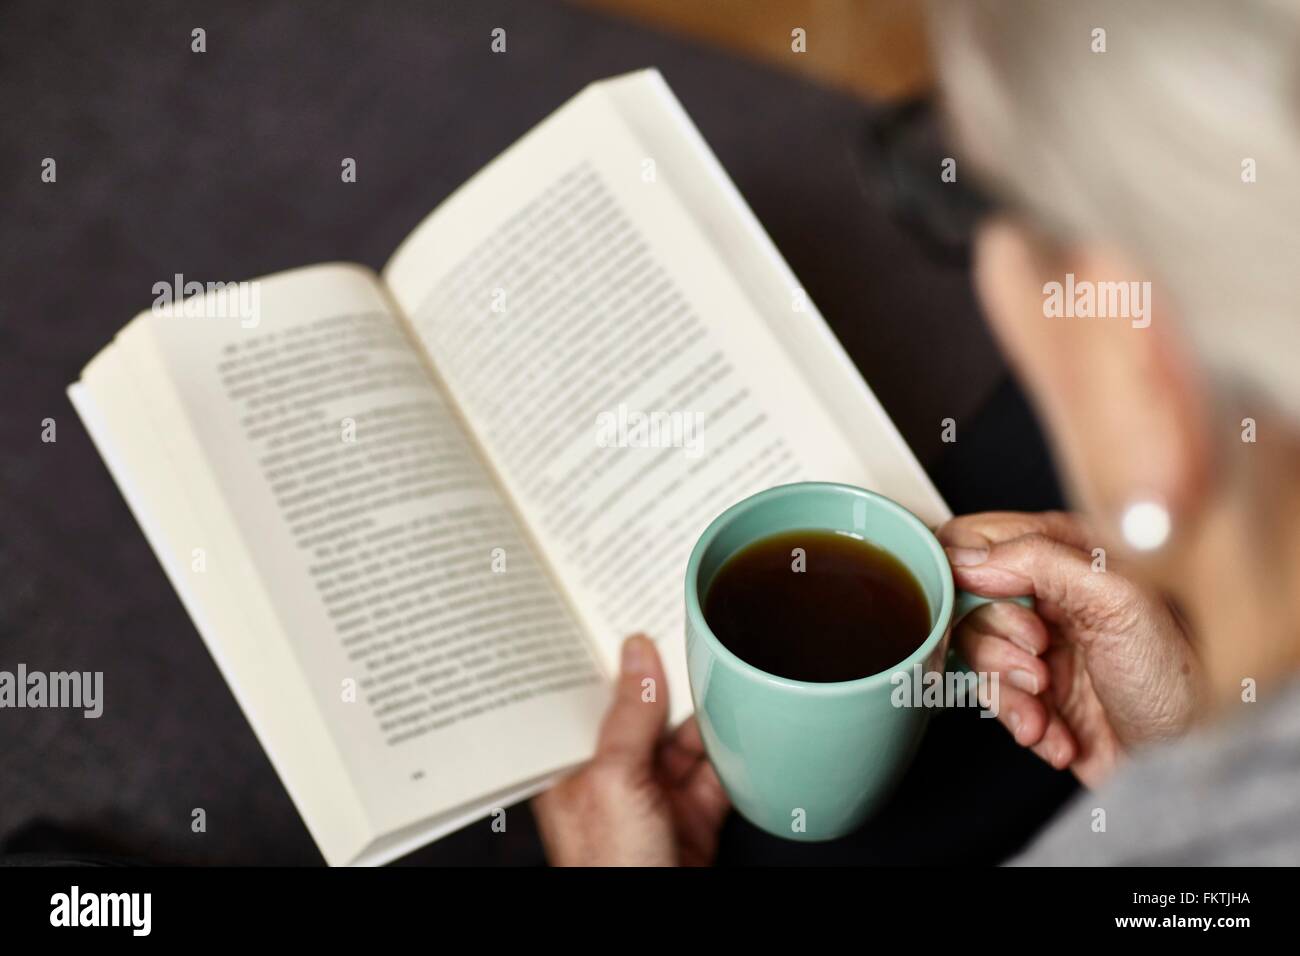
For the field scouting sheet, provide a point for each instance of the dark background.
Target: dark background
(225, 165)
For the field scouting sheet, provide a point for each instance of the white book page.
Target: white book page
(234, 620)
(563, 292)
(337, 489)
(657, 118)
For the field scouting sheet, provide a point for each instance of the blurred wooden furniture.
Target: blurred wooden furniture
(873, 48)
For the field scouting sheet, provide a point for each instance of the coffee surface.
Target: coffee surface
(817, 606)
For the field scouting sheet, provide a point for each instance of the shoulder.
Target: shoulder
(1224, 795)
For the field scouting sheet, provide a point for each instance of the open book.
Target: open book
(414, 514)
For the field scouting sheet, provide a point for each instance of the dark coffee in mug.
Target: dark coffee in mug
(817, 606)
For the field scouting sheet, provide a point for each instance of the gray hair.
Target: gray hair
(1145, 147)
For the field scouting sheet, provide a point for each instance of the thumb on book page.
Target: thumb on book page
(639, 710)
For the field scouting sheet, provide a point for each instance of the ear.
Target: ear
(1119, 395)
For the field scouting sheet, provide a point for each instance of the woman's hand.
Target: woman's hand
(646, 798)
(1100, 665)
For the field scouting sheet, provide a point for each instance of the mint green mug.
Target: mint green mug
(811, 761)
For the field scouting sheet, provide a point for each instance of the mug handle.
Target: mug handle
(963, 605)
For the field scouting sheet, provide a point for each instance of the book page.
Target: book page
(335, 492)
(262, 673)
(619, 378)
(706, 193)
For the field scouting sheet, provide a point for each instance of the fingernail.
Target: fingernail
(1013, 720)
(1060, 760)
(1024, 680)
(634, 656)
(966, 557)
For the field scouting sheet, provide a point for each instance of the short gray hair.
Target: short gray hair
(1144, 147)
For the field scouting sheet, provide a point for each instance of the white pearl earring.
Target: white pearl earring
(1145, 525)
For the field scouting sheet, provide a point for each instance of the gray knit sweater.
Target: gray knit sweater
(1228, 794)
